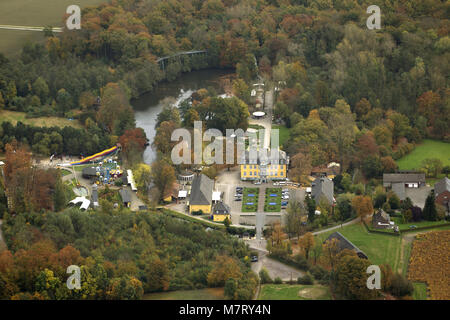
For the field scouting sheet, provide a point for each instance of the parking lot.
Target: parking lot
(228, 181)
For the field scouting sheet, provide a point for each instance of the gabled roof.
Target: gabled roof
(89, 171)
(201, 191)
(221, 208)
(343, 243)
(442, 185)
(403, 177)
(381, 215)
(399, 190)
(125, 195)
(322, 187)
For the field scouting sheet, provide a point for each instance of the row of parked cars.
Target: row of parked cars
(239, 194)
(285, 195)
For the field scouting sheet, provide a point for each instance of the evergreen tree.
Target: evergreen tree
(429, 211)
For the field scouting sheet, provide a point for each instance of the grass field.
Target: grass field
(284, 133)
(246, 199)
(420, 291)
(406, 226)
(427, 149)
(269, 199)
(200, 294)
(294, 292)
(34, 14)
(379, 248)
(14, 117)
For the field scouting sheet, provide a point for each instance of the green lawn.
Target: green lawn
(406, 226)
(284, 133)
(378, 247)
(427, 149)
(420, 291)
(269, 199)
(200, 294)
(294, 292)
(34, 14)
(14, 117)
(246, 199)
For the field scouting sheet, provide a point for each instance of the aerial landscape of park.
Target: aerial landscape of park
(120, 179)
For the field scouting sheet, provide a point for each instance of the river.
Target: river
(148, 106)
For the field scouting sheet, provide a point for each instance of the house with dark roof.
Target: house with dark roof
(221, 211)
(201, 194)
(343, 243)
(126, 197)
(89, 173)
(442, 193)
(408, 179)
(323, 188)
(381, 220)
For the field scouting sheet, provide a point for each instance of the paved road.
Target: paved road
(275, 268)
(356, 220)
(27, 28)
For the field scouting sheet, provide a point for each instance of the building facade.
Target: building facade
(265, 170)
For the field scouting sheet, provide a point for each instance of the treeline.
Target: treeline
(28, 188)
(122, 255)
(47, 141)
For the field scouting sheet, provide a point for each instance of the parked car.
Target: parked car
(254, 258)
(237, 199)
(257, 182)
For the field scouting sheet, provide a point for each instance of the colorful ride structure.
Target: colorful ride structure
(96, 157)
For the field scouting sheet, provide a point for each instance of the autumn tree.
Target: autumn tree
(224, 268)
(351, 278)
(307, 243)
(163, 175)
(362, 206)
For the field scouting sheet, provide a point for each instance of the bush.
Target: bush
(301, 262)
(264, 276)
(278, 280)
(400, 286)
(306, 279)
(318, 272)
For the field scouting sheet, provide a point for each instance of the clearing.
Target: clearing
(294, 292)
(200, 294)
(427, 149)
(14, 117)
(33, 14)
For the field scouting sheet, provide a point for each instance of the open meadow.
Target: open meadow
(294, 292)
(427, 149)
(14, 117)
(32, 13)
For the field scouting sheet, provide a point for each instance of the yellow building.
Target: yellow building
(260, 170)
(201, 194)
(221, 212)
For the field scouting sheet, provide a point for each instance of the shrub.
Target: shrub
(400, 286)
(306, 279)
(264, 276)
(301, 262)
(277, 280)
(318, 272)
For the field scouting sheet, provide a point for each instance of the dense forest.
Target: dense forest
(122, 255)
